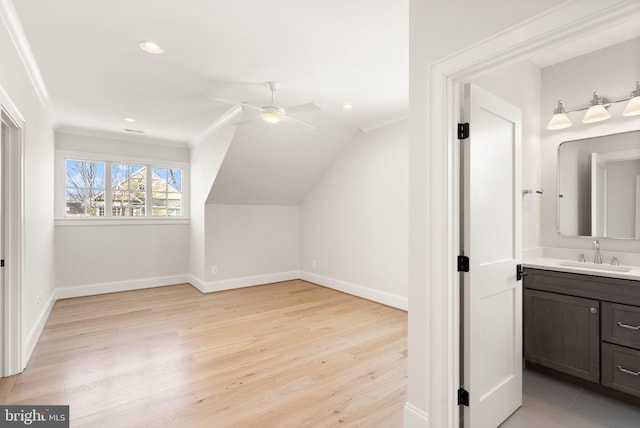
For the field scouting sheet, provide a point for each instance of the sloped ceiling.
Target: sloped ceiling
(328, 52)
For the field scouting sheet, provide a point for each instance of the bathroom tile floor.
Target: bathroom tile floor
(551, 403)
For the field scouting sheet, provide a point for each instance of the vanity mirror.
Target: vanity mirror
(599, 186)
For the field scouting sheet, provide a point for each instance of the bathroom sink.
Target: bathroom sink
(593, 266)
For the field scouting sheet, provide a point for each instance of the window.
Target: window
(84, 183)
(134, 190)
(127, 198)
(167, 192)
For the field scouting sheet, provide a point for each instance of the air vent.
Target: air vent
(135, 131)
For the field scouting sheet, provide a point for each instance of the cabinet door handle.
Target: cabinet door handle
(631, 372)
(593, 310)
(630, 327)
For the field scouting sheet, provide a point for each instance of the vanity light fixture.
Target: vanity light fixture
(559, 120)
(633, 108)
(597, 110)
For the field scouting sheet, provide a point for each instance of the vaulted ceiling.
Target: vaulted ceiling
(331, 52)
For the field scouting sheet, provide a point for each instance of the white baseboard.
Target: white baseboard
(36, 331)
(414, 417)
(247, 281)
(116, 286)
(384, 297)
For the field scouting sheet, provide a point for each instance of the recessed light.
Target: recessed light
(151, 47)
(347, 106)
(129, 119)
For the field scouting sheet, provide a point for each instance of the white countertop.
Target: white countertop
(588, 268)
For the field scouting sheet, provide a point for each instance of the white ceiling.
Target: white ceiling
(329, 52)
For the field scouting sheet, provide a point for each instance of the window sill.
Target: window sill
(60, 222)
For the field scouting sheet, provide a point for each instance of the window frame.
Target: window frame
(61, 218)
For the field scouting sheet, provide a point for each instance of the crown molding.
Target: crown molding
(12, 23)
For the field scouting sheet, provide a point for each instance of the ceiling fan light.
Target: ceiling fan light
(271, 116)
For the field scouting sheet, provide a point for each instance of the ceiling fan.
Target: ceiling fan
(272, 112)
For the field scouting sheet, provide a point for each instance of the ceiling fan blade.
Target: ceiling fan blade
(300, 122)
(244, 104)
(244, 122)
(304, 108)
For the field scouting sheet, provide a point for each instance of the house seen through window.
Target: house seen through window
(128, 194)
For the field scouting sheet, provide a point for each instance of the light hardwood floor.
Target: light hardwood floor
(290, 354)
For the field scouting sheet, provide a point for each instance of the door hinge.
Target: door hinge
(463, 397)
(463, 264)
(463, 131)
(1, 263)
(520, 273)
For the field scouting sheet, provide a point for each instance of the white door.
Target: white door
(491, 238)
(2, 290)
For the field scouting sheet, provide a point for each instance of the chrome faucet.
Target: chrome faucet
(597, 259)
(615, 261)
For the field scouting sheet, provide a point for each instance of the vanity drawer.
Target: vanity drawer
(621, 368)
(621, 324)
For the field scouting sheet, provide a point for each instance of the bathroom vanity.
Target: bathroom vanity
(584, 327)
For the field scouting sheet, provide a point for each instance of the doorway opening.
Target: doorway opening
(566, 22)
(11, 234)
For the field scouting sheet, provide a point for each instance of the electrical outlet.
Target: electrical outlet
(314, 264)
(37, 300)
(214, 270)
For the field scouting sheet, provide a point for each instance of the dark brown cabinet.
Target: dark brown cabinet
(563, 333)
(586, 327)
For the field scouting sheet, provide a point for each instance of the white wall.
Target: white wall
(621, 194)
(93, 259)
(97, 259)
(437, 31)
(38, 245)
(206, 158)
(612, 72)
(520, 84)
(121, 145)
(245, 241)
(354, 222)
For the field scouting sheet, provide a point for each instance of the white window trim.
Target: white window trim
(59, 193)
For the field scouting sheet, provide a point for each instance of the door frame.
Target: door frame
(12, 334)
(433, 274)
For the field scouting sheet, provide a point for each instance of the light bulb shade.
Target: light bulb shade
(559, 121)
(596, 113)
(633, 108)
(271, 116)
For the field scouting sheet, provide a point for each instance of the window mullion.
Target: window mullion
(108, 188)
(148, 203)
